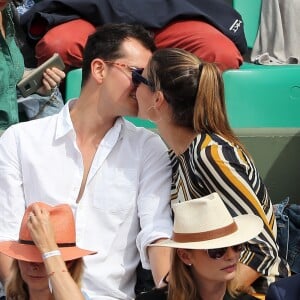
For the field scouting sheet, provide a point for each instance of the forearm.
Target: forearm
(5, 264)
(245, 277)
(58, 273)
(159, 258)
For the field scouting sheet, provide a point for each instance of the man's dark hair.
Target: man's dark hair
(106, 42)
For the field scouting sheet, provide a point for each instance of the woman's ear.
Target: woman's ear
(159, 100)
(98, 69)
(184, 255)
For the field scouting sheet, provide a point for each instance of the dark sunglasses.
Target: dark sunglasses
(137, 78)
(136, 73)
(220, 252)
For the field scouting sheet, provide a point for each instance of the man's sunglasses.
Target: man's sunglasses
(136, 73)
(220, 252)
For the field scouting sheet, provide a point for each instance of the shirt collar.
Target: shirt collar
(65, 125)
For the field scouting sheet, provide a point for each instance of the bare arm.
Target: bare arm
(5, 263)
(245, 277)
(159, 258)
(42, 234)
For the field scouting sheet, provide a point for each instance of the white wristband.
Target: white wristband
(51, 253)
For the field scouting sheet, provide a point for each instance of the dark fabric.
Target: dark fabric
(144, 281)
(162, 294)
(286, 288)
(288, 229)
(155, 294)
(153, 14)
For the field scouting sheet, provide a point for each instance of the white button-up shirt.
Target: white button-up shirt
(125, 205)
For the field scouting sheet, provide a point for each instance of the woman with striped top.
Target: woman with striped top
(185, 98)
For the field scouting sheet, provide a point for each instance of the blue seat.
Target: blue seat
(72, 90)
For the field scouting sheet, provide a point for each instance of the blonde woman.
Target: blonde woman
(47, 263)
(206, 245)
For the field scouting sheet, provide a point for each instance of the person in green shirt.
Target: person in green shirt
(12, 69)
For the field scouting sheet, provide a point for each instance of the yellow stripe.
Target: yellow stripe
(235, 182)
(206, 141)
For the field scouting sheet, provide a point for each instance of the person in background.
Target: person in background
(115, 176)
(285, 289)
(184, 96)
(12, 69)
(206, 245)
(47, 263)
(212, 30)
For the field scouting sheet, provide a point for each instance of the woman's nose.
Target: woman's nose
(34, 266)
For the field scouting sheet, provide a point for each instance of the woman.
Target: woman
(47, 265)
(206, 245)
(185, 98)
(12, 69)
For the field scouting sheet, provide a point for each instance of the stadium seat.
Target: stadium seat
(72, 90)
(250, 12)
(268, 96)
(73, 84)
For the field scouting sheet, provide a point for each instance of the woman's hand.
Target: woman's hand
(41, 230)
(52, 78)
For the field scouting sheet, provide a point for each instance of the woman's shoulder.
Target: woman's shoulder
(155, 294)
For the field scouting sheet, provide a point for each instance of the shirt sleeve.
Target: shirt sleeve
(12, 202)
(154, 210)
(230, 172)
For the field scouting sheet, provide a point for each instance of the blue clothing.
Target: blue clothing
(25, 6)
(288, 229)
(285, 289)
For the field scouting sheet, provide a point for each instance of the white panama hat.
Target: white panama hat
(205, 223)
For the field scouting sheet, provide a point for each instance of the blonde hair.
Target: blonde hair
(16, 288)
(182, 285)
(194, 90)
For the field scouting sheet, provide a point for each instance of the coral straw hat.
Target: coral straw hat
(205, 223)
(63, 224)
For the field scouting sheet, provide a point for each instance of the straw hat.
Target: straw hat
(205, 223)
(62, 219)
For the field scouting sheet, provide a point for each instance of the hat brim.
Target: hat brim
(249, 226)
(30, 253)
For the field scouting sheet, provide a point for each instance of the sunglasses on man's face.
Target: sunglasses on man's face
(220, 252)
(136, 73)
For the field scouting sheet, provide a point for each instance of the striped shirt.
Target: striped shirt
(213, 164)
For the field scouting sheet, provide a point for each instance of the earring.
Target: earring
(152, 120)
(151, 107)
(189, 265)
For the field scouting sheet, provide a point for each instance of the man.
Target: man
(115, 176)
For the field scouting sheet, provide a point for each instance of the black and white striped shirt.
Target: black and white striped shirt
(213, 164)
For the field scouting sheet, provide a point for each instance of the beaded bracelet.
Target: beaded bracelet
(50, 254)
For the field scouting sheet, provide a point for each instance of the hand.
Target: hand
(41, 230)
(52, 78)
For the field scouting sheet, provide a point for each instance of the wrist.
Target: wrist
(46, 255)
